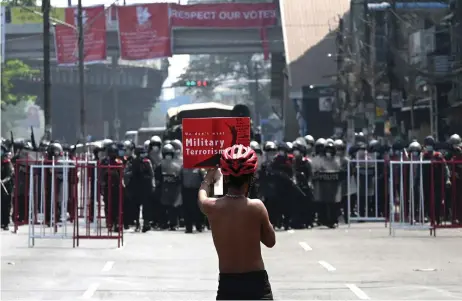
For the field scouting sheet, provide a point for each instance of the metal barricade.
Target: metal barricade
(411, 194)
(446, 199)
(367, 189)
(65, 198)
(102, 202)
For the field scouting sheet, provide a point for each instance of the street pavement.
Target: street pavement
(358, 263)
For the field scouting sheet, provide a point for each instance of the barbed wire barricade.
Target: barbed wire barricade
(422, 195)
(367, 182)
(64, 199)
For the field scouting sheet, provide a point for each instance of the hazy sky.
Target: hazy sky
(177, 63)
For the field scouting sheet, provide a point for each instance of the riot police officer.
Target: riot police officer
(155, 145)
(327, 177)
(254, 192)
(53, 179)
(141, 186)
(168, 183)
(112, 168)
(434, 182)
(282, 171)
(303, 214)
(191, 181)
(7, 187)
(309, 145)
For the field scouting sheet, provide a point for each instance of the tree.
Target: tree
(10, 70)
(239, 72)
(21, 2)
(12, 105)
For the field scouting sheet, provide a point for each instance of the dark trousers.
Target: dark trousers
(170, 216)
(328, 213)
(111, 206)
(5, 208)
(274, 208)
(21, 205)
(191, 211)
(244, 286)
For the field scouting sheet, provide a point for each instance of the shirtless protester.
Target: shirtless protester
(238, 226)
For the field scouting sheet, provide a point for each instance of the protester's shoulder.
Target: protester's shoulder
(256, 203)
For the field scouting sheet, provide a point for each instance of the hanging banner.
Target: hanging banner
(144, 31)
(224, 15)
(205, 138)
(66, 37)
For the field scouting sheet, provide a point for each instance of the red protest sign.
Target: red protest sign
(205, 138)
(66, 37)
(224, 15)
(144, 31)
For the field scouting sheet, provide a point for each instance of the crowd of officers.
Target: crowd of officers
(302, 183)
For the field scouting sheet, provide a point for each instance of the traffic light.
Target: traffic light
(196, 83)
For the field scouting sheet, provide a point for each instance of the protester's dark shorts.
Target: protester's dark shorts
(244, 286)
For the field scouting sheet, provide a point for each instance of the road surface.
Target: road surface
(359, 263)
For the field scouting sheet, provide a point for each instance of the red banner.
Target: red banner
(66, 37)
(224, 15)
(205, 138)
(144, 31)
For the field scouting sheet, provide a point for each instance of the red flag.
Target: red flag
(144, 31)
(66, 37)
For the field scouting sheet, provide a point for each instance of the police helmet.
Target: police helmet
(455, 140)
(339, 145)
(177, 145)
(155, 141)
(329, 147)
(360, 137)
(373, 146)
(320, 142)
(167, 149)
(429, 140)
(329, 140)
(256, 147)
(290, 146)
(297, 145)
(55, 149)
(415, 147)
(129, 145)
(167, 142)
(112, 149)
(309, 140)
(397, 146)
(146, 144)
(270, 146)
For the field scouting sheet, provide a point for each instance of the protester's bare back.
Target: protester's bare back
(238, 225)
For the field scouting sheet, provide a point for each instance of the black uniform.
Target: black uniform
(191, 181)
(112, 169)
(7, 190)
(141, 187)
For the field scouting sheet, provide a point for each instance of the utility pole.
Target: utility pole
(392, 45)
(69, 3)
(256, 100)
(46, 69)
(81, 69)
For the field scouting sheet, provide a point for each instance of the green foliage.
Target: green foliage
(10, 70)
(223, 70)
(20, 2)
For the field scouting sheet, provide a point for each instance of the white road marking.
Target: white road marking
(90, 291)
(108, 266)
(291, 231)
(305, 246)
(327, 266)
(357, 291)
